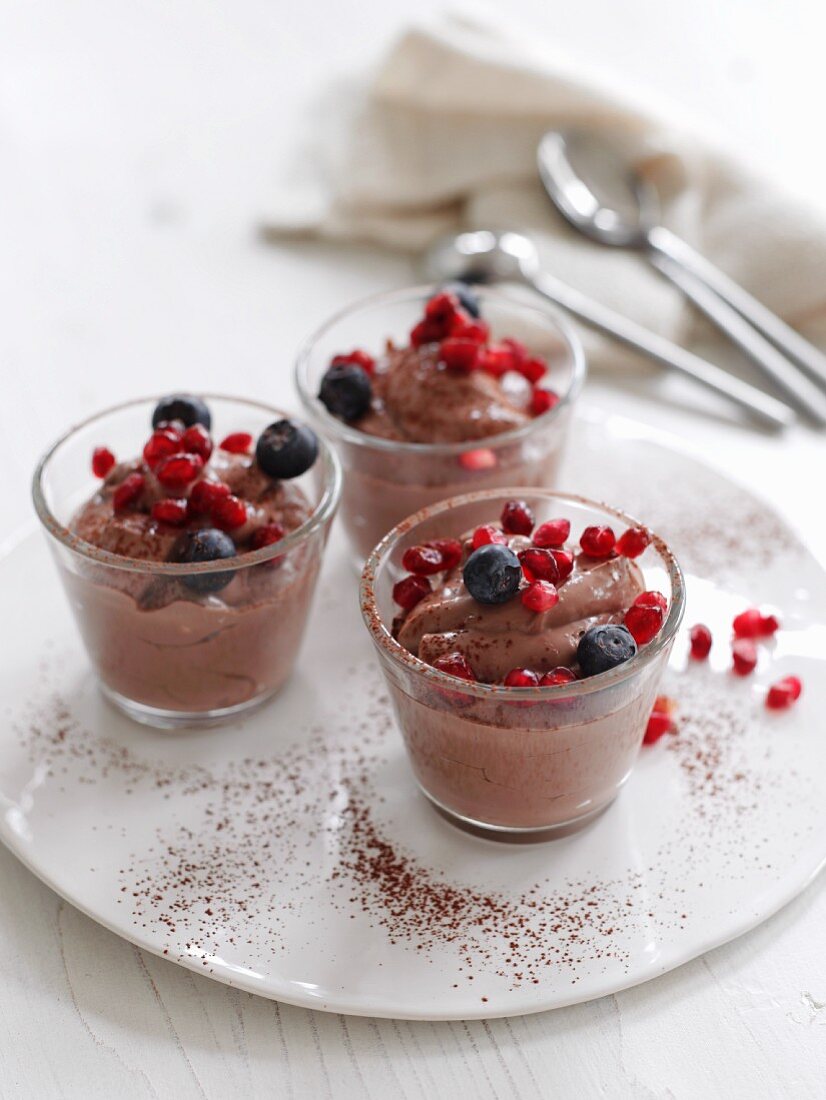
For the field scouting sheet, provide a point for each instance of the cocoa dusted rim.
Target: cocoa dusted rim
(323, 511)
(314, 408)
(383, 637)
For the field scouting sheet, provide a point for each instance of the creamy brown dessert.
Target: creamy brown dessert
(196, 642)
(451, 384)
(517, 606)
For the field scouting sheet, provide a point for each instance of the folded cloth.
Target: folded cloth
(444, 137)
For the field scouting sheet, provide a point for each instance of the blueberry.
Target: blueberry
(208, 544)
(604, 647)
(286, 450)
(346, 391)
(468, 298)
(492, 573)
(182, 406)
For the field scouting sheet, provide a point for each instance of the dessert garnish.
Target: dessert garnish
(205, 545)
(511, 604)
(286, 450)
(184, 407)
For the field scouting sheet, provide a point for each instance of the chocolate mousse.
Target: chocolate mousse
(450, 384)
(199, 642)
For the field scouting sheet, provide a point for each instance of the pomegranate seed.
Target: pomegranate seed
(410, 590)
(597, 542)
(205, 495)
(459, 354)
(267, 535)
(102, 461)
(557, 676)
(423, 560)
(744, 656)
(633, 542)
(177, 471)
(358, 356)
(543, 401)
(533, 369)
(783, 693)
(237, 443)
(425, 332)
(564, 562)
(700, 642)
(644, 623)
(229, 513)
(127, 492)
(170, 511)
(475, 330)
(651, 599)
(754, 624)
(659, 723)
(517, 518)
(196, 440)
(539, 565)
(451, 551)
(497, 360)
(483, 459)
(521, 678)
(163, 443)
(518, 350)
(667, 704)
(455, 664)
(486, 534)
(552, 533)
(442, 307)
(540, 596)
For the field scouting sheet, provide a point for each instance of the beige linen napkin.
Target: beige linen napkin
(444, 137)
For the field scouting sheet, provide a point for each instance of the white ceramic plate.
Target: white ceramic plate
(291, 855)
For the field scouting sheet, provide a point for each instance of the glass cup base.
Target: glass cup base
(162, 719)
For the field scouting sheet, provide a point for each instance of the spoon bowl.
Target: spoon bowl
(483, 256)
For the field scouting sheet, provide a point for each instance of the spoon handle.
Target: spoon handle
(783, 373)
(663, 242)
(760, 405)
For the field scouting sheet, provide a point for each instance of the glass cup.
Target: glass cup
(386, 480)
(175, 644)
(518, 763)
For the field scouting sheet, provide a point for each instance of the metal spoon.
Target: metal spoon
(592, 186)
(485, 256)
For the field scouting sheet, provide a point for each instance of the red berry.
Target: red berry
(783, 693)
(229, 513)
(518, 350)
(451, 551)
(442, 307)
(410, 590)
(651, 599)
(744, 656)
(102, 461)
(659, 723)
(237, 443)
(127, 492)
(752, 623)
(205, 494)
(196, 440)
(177, 471)
(564, 562)
(425, 332)
(644, 623)
(475, 330)
(540, 596)
(517, 518)
(633, 542)
(497, 360)
(455, 664)
(521, 678)
(543, 400)
(552, 533)
(422, 560)
(533, 369)
(486, 534)
(597, 542)
(700, 642)
(483, 459)
(267, 535)
(171, 511)
(557, 676)
(162, 443)
(539, 565)
(358, 356)
(459, 354)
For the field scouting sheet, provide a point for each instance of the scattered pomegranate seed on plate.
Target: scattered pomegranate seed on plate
(744, 656)
(102, 461)
(659, 723)
(784, 693)
(752, 623)
(700, 637)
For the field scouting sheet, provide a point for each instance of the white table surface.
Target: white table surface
(139, 141)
